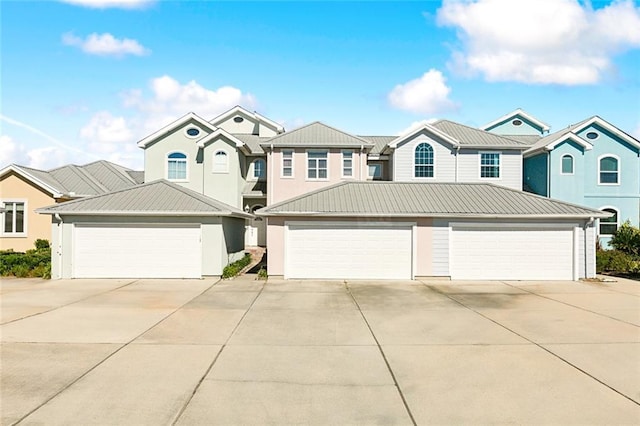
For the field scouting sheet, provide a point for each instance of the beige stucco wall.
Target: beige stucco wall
(15, 188)
(275, 240)
(249, 126)
(282, 188)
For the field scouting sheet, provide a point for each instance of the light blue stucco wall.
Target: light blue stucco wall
(583, 187)
(535, 173)
(567, 187)
(507, 127)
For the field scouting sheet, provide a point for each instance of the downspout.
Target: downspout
(59, 248)
(365, 163)
(548, 174)
(272, 177)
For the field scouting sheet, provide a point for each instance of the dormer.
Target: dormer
(241, 121)
(517, 122)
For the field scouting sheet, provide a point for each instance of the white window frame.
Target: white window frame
(352, 158)
(619, 170)
(499, 153)
(253, 169)
(617, 222)
(282, 175)
(319, 151)
(199, 135)
(166, 166)
(413, 160)
(214, 168)
(3, 204)
(573, 164)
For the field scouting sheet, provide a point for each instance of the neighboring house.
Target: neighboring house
(312, 157)
(221, 159)
(591, 163)
(24, 189)
(397, 230)
(154, 230)
(445, 151)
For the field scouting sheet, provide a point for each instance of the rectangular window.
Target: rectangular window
(317, 165)
(347, 163)
(14, 218)
(489, 165)
(287, 163)
(375, 171)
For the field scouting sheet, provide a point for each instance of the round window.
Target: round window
(517, 122)
(592, 135)
(193, 132)
(238, 119)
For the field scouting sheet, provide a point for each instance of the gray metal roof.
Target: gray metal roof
(317, 134)
(380, 142)
(471, 137)
(525, 139)
(541, 143)
(409, 199)
(94, 178)
(252, 141)
(157, 198)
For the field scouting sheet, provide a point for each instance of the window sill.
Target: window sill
(178, 180)
(16, 235)
(608, 184)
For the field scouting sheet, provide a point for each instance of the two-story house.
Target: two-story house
(591, 163)
(443, 199)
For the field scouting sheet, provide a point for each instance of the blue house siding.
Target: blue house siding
(535, 174)
(568, 187)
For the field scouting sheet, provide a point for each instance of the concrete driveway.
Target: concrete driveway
(310, 352)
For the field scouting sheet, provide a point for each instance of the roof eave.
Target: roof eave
(438, 215)
(145, 214)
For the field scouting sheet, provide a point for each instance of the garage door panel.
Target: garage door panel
(516, 254)
(355, 252)
(134, 251)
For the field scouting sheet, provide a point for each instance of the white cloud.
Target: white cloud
(415, 125)
(169, 100)
(428, 94)
(104, 127)
(46, 158)
(11, 152)
(540, 41)
(105, 45)
(105, 4)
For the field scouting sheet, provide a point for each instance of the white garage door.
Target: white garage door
(136, 251)
(356, 251)
(511, 254)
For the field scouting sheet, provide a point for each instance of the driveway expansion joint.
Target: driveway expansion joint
(384, 357)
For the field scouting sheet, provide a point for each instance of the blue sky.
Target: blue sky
(86, 79)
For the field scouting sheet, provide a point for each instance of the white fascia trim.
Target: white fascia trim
(55, 193)
(429, 128)
(220, 132)
(572, 137)
(238, 109)
(179, 122)
(611, 128)
(537, 217)
(520, 112)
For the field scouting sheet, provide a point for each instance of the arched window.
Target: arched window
(176, 166)
(608, 170)
(259, 169)
(567, 165)
(220, 162)
(609, 225)
(423, 160)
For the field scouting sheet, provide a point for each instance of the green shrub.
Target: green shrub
(233, 269)
(33, 263)
(617, 262)
(42, 244)
(262, 274)
(626, 239)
